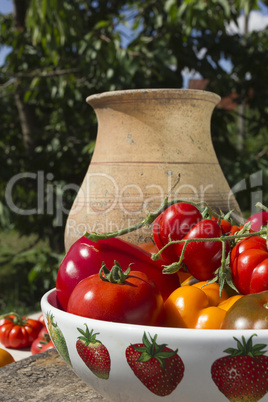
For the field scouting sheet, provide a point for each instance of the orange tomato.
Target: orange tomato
(149, 246)
(188, 281)
(213, 292)
(185, 277)
(227, 304)
(5, 357)
(195, 307)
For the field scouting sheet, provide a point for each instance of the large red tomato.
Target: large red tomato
(133, 299)
(249, 265)
(173, 224)
(85, 258)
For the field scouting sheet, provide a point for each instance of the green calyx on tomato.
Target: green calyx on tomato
(15, 318)
(115, 275)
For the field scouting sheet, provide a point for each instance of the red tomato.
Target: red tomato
(173, 224)
(41, 319)
(18, 332)
(85, 258)
(202, 258)
(137, 300)
(258, 220)
(259, 278)
(249, 265)
(225, 225)
(42, 332)
(254, 242)
(42, 342)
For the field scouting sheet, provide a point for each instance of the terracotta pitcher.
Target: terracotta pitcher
(146, 139)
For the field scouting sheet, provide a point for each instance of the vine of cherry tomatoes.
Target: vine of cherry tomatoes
(192, 252)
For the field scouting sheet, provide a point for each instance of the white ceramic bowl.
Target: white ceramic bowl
(197, 349)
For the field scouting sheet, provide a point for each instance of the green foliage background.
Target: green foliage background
(61, 52)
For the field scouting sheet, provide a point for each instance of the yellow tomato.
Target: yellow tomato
(5, 357)
(213, 292)
(227, 304)
(195, 307)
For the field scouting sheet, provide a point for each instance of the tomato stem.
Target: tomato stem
(260, 205)
(223, 239)
(116, 275)
(222, 274)
(147, 221)
(14, 317)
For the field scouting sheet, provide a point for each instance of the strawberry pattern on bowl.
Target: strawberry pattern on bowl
(130, 363)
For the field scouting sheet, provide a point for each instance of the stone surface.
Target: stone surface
(44, 377)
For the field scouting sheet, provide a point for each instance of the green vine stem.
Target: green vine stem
(223, 273)
(147, 221)
(223, 239)
(263, 207)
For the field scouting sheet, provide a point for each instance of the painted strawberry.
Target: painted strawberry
(242, 376)
(94, 354)
(158, 367)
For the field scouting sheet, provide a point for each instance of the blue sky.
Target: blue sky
(6, 6)
(258, 20)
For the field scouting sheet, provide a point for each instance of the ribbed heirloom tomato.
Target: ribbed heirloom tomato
(249, 265)
(18, 332)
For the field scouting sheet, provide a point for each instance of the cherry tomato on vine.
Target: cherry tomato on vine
(202, 258)
(258, 220)
(249, 265)
(225, 225)
(173, 224)
(127, 297)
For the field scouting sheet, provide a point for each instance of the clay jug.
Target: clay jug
(146, 139)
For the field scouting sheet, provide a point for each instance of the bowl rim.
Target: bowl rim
(189, 332)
